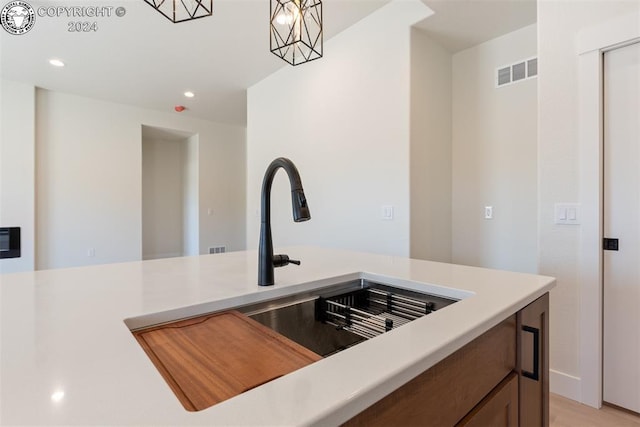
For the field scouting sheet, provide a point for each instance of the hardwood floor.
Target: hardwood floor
(568, 413)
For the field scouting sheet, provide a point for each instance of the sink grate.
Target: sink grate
(370, 312)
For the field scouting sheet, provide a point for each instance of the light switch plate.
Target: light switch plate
(567, 213)
(386, 212)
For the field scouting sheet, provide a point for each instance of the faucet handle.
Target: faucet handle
(282, 260)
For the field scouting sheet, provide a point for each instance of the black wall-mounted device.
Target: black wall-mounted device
(9, 242)
(610, 244)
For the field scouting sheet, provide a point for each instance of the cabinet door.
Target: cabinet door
(498, 409)
(533, 363)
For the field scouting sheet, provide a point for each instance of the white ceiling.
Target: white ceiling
(164, 134)
(461, 24)
(146, 60)
(143, 59)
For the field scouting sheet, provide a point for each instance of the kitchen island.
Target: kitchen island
(68, 357)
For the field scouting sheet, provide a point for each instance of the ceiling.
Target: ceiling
(461, 24)
(145, 60)
(174, 135)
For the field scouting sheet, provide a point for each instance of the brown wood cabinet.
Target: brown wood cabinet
(533, 363)
(498, 409)
(495, 380)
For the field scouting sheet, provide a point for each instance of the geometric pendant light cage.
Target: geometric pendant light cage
(296, 30)
(182, 10)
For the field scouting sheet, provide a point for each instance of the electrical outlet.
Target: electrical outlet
(488, 212)
(91, 252)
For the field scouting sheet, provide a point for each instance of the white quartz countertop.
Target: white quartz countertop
(68, 358)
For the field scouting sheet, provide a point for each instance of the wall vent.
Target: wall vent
(519, 71)
(217, 249)
(504, 76)
(532, 67)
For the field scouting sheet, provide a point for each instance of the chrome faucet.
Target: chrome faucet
(266, 260)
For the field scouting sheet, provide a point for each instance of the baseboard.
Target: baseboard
(565, 385)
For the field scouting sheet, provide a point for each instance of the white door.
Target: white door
(621, 370)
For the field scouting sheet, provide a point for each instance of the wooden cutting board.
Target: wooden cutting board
(208, 359)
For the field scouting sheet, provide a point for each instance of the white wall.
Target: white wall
(191, 201)
(558, 169)
(89, 179)
(344, 121)
(494, 157)
(17, 176)
(430, 152)
(163, 194)
(222, 182)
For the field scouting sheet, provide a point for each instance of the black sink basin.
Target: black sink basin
(298, 323)
(344, 315)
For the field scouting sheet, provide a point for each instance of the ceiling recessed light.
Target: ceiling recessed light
(56, 63)
(57, 396)
(189, 94)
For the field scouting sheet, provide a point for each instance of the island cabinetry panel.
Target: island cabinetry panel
(444, 394)
(499, 379)
(498, 409)
(533, 363)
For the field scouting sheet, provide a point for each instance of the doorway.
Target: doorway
(169, 193)
(621, 227)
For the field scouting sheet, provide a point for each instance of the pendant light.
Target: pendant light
(182, 10)
(296, 30)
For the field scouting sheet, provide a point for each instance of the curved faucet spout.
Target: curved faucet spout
(266, 260)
